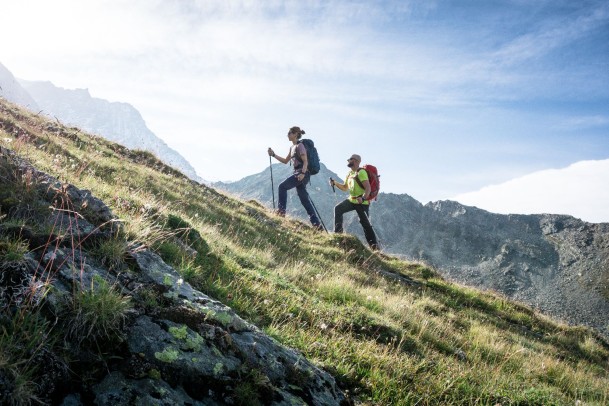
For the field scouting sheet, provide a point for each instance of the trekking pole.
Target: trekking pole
(318, 216)
(272, 185)
(333, 189)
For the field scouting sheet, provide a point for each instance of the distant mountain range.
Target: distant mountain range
(556, 263)
(118, 122)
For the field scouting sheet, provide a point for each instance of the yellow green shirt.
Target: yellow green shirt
(355, 189)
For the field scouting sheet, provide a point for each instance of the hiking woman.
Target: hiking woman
(300, 177)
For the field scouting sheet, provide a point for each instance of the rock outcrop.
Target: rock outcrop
(175, 346)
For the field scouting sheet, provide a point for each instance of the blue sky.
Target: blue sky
(445, 97)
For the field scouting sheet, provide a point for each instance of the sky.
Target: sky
(447, 98)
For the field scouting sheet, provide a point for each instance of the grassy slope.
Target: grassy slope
(391, 332)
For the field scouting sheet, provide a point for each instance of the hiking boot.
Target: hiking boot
(280, 213)
(318, 227)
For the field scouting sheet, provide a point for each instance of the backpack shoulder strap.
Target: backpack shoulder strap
(296, 151)
(356, 177)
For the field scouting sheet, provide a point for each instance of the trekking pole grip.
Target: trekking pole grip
(332, 184)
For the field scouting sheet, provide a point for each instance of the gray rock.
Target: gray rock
(183, 355)
(155, 270)
(72, 400)
(212, 344)
(117, 390)
(288, 369)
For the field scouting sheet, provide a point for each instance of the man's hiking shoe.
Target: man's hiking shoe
(318, 227)
(280, 213)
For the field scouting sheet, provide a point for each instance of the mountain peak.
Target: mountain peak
(11, 90)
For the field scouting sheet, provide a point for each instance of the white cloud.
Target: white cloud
(581, 122)
(551, 35)
(220, 80)
(313, 43)
(580, 190)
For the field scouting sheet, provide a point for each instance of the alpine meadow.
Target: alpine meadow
(124, 282)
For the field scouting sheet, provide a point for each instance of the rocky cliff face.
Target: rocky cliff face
(556, 263)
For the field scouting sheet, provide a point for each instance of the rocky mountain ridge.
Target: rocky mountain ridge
(11, 90)
(117, 122)
(556, 263)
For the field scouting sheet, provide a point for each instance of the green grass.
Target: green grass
(22, 338)
(12, 252)
(96, 312)
(112, 253)
(417, 339)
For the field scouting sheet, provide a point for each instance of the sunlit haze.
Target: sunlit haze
(446, 98)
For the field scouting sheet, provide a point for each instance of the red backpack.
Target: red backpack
(373, 178)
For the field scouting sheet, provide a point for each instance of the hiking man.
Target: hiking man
(357, 200)
(299, 179)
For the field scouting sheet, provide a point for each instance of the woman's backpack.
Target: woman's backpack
(312, 156)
